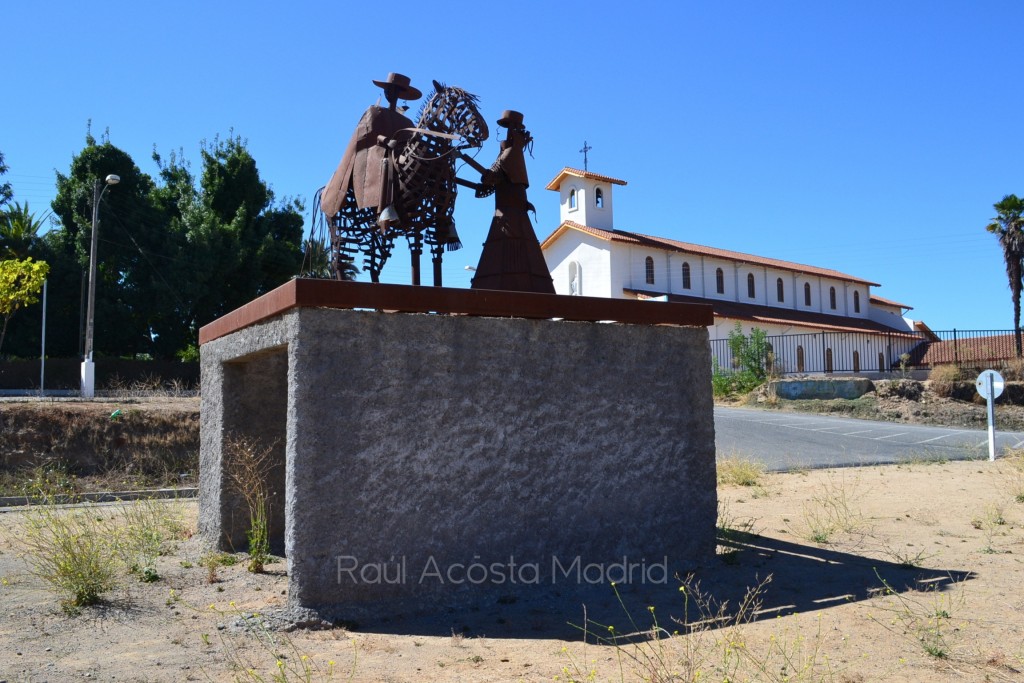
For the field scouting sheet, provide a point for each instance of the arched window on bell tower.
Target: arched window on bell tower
(599, 198)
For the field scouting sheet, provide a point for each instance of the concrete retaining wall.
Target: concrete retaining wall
(832, 387)
(429, 458)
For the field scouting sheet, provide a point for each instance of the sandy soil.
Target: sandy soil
(826, 614)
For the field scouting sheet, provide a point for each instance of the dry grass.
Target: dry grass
(943, 379)
(248, 464)
(736, 471)
(84, 553)
(104, 448)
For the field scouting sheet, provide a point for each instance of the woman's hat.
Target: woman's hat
(511, 119)
(403, 86)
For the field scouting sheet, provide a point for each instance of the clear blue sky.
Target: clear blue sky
(868, 137)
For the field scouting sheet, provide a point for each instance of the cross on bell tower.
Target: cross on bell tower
(586, 148)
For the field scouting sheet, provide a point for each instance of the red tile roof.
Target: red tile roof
(554, 184)
(889, 302)
(979, 350)
(781, 316)
(688, 248)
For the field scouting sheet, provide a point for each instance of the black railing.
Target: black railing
(851, 352)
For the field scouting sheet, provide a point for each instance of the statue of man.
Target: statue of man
(362, 167)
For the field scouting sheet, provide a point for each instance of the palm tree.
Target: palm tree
(19, 231)
(1008, 226)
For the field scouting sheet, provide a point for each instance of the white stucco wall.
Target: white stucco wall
(592, 259)
(610, 267)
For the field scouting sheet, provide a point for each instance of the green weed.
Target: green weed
(249, 462)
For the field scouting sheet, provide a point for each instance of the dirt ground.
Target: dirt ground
(898, 573)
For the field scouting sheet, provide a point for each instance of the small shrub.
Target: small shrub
(739, 472)
(214, 561)
(924, 617)
(149, 525)
(1013, 370)
(249, 463)
(831, 511)
(72, 551)
(732, 382)
(943, 380)
(84, 553)
(1013, 473)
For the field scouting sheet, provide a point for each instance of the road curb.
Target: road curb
(99, 497)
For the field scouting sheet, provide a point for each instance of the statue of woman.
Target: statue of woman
(512, 258)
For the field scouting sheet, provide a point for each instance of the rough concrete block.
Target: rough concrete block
(433, 458)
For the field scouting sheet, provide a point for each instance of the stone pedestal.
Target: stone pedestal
(425, 458)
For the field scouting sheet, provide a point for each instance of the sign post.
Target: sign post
(990, 385)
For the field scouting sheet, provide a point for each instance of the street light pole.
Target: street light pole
(88, 367)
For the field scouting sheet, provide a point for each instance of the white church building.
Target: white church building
(817, 319)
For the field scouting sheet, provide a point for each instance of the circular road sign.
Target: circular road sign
(983, 383)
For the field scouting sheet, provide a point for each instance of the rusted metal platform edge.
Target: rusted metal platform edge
(478, 302)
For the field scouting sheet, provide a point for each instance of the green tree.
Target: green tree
(130, 290)
(20, 283)
(1008, 226)
(245, 243)
(751, 354)
(19, 232)
(5, 188)
(174, 253)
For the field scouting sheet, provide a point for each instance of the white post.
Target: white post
(990, 397)
(42, 351)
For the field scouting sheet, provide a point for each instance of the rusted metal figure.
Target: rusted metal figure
(398, 179)
(512, 258)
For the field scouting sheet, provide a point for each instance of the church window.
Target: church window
(750, 286)
(599, 198)
(686, 275)
(780, 290)
(572, 198)
(807, 294)
(832, 297)
(720, 281)
(649, 270)
(856, 302)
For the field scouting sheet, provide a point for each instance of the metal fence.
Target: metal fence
(851, 352)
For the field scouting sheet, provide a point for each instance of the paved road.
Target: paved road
(793, 440)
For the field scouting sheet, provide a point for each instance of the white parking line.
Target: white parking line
(937, 438)
(890, 436)
(862, 431)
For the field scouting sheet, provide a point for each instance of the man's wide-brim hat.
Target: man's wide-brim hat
(511, 119)
(402, 85)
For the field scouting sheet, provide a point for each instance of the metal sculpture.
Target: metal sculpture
(412, 192)
(512, 258)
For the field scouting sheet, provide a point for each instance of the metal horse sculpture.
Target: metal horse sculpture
(423, 171)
